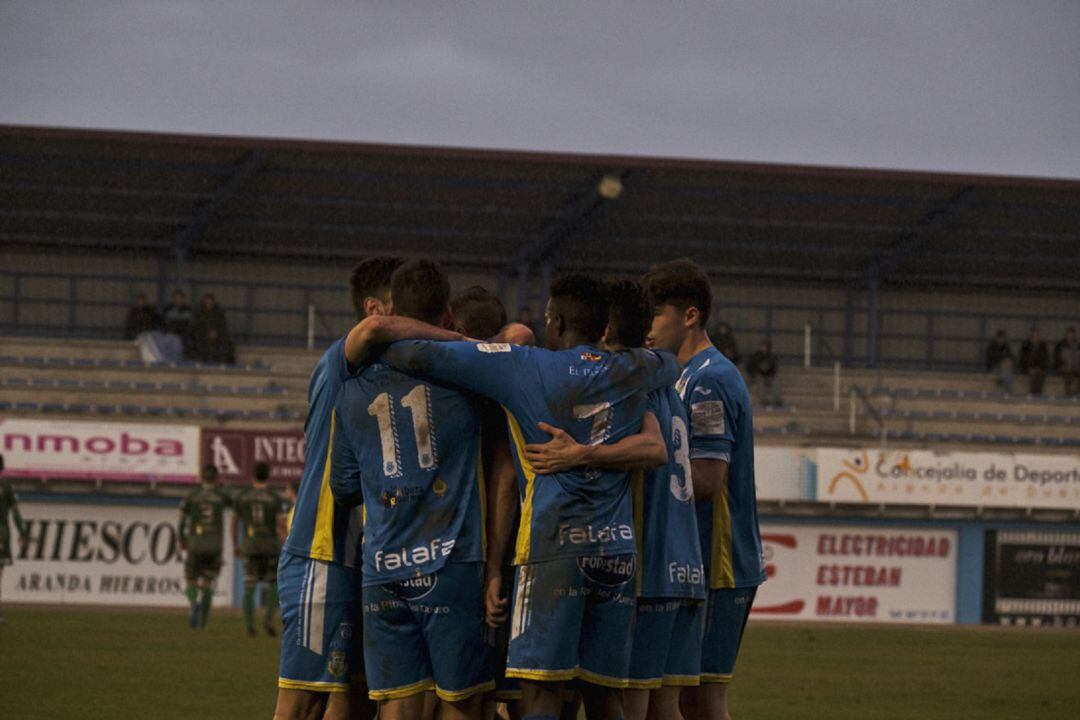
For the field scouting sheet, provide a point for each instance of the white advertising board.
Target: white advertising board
(858, 574)
(75, 450)
(783, 473)
(93, 554)
(923, 477)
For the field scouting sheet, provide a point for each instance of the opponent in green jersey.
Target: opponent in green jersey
(258, 509)
(9, 505)
(202, 533)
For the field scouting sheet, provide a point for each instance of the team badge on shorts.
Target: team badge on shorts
(336, 665)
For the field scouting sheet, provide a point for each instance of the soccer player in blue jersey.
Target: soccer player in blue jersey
(318, 573)
(410, 450)
(666, 653)
(575, 548)
(722, 466)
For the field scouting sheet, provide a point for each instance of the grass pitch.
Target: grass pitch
(58, 663)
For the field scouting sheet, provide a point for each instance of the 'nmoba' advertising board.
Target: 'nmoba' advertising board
(858, 574)
(76, 450)
(90, 554)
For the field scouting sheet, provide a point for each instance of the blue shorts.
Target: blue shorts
(667, 642)
(428, 633)
(320, 621)
(573, 618)
(726, 613)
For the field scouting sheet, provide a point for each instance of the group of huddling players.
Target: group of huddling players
(505, 528)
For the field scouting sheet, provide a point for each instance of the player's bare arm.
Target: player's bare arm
(377, 330)
(646, 449)
(709, 477)
(502, 501)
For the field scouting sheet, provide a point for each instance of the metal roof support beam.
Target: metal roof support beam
(208, 210)
(873, 319)
(888, 261)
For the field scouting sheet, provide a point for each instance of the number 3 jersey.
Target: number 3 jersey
(412, 449)
(594, 396)
(671, 562)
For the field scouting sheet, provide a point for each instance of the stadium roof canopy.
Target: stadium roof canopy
(222, 196)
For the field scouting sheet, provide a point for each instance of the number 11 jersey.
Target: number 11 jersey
(413, 449)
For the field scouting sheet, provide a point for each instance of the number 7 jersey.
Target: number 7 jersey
(412, 448)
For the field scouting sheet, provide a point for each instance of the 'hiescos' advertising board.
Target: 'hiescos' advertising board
(93, 554)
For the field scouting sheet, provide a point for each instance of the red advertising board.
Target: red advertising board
(234, 452)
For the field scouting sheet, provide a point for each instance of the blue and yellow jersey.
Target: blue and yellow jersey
(722, 428)
(670, 553)
(412, 449)
(595, 396)
(320, 528)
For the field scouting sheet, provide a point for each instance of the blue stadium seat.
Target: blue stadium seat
(27, 406)
(131, 409)
(53, 407)
(106, 409)
(17, 382)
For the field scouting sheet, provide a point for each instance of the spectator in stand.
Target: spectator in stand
(724, 341)
(1000, 361)
(208, 333)
(218, 349)
(1067, 361)
(177, 315)
(762, 365)
(141, 318)
(1035, 361)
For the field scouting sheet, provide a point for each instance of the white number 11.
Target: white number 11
(418, 402)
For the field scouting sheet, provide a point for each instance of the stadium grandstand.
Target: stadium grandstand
(879, 292)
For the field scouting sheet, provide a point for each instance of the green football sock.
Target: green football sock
(192, 594)
(249, 607)
(271, 603)
(207, 598)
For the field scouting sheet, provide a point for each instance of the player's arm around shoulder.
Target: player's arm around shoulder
(378, 330)
(643, 450)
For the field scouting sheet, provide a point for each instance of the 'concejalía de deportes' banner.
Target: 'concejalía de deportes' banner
(858, 574)
(922, 477)
(91, 554)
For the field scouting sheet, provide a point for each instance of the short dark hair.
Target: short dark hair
(371, 278)
(680, 283)
(209, 473)
(262, 471)
(420, 290)
(479, 312)
(582, 302)
(629, 313)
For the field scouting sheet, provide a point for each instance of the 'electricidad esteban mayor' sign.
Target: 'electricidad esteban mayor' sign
(96, 554)
(922, 477)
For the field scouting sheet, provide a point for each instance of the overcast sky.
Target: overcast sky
(973, 85)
